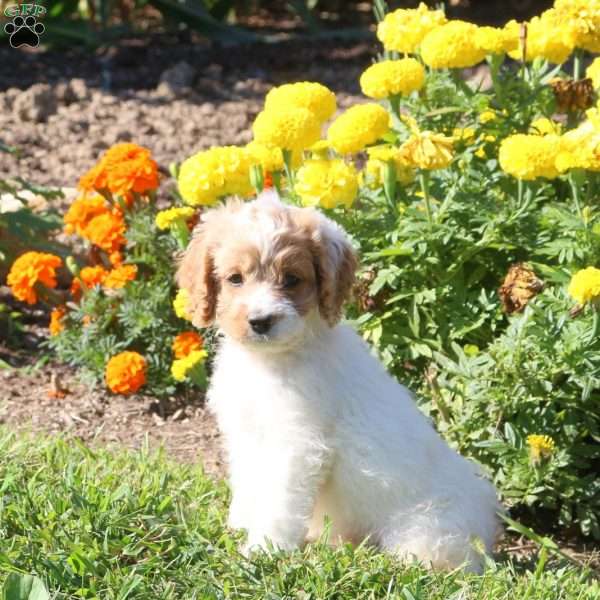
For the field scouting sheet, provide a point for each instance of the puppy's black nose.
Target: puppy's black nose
(261, 325)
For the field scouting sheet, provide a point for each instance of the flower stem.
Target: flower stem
(276, 176)
(395, 106)
(289, 173)
(257, 178)
(577, 64)
(576, 195)
(389, 185)
(197, 375)
(181, 233)
(424, 182)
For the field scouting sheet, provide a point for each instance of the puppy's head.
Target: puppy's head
(266, 273)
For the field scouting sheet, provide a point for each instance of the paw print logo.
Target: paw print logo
(24, 31)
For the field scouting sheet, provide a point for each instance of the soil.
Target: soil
(63, 110)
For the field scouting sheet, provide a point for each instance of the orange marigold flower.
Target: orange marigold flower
(75, 289)
(82, 211)
(86, 320)
(119, 276)
(91, 276)
(116, 259)
(185, 343)
(56, 316)
(94, 179)
(126, 373)
(28, 270)
(130, 168)
(106, 231)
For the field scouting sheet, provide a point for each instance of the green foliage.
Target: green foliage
(21, 227)
(541, 375)
(95, 524)
(99, 22)
(138, 317)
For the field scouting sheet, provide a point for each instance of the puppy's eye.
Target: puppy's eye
(235, 279)
(290, 281)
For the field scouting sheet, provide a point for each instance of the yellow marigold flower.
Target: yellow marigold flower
(315, 97)
(580, 147)
(268, 157)
(321, 148)
(91, 276)
(378, 157)
(404, 29)
(493, 40)
(220, 171)
(545, 126)
(466, 135)
(358, 127)
(119, 276)
(540, 447)
(585, 285)
(392, 77)
(165, 218)
(182, 366)
(581, 22)
(82, 211)
(544, 40)
(328, 183)
(180, 305)
(291, 128)
(428, 150)
(452, 46)
(487, 115)
(530, 156)
(125, 373)
(593, 72)
(56, 320)
(185, 343)
(30, 269)
(106, 231)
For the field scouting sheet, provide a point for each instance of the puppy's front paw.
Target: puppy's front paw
(264, 543)
(249, 549)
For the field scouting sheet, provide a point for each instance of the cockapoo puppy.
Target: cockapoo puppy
(313, 425)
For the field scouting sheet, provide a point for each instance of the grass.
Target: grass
(116, 525)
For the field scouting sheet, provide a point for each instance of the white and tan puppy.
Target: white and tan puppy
(313, 425)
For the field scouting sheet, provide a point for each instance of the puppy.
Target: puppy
(312, 423)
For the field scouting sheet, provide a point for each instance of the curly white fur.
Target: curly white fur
(320, 429)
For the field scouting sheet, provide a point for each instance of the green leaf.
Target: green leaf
(20, 586)
(397, 250)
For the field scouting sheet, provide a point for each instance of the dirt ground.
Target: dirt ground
(63, 110)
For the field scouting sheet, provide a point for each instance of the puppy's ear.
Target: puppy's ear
(335, 264)
(196, 275)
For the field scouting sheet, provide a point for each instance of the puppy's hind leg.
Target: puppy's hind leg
(432, 542)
